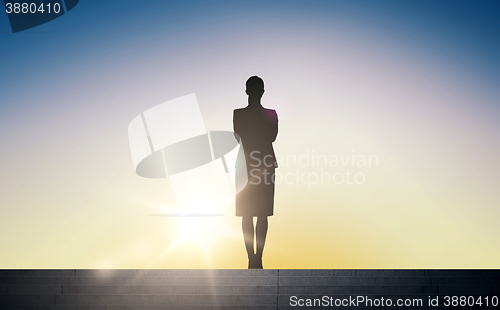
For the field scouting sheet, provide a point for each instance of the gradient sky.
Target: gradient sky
(415, 83)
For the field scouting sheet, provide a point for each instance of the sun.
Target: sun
(201, 229)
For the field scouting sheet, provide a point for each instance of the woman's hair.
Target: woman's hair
(255, 83)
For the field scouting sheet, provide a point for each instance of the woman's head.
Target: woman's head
(255, 86)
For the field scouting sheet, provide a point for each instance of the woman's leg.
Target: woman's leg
(261, 232)
(248, 234)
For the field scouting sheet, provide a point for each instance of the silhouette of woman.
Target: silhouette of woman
(256, 129)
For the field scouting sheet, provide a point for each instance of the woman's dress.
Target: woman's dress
(256, 129)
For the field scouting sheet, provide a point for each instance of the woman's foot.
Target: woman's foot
(258, 262)
(251, 261)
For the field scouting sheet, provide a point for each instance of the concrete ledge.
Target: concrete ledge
(176, 281)
(229, 289)
(170, 290)
(357, 290)
(353, 281)
(165, 300)
(352, 272)
(174, 272)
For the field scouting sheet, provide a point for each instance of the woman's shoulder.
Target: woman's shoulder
(239, 113)
(270, 111)
(271, 114)
(246, 112)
